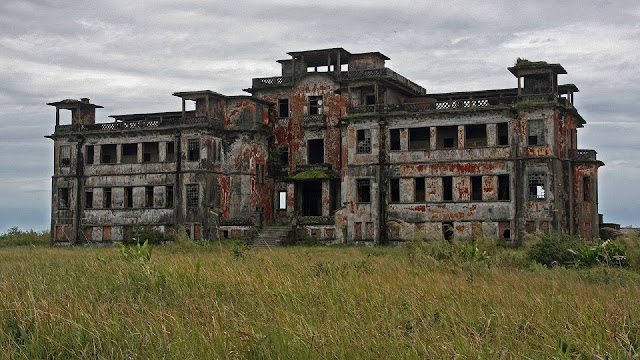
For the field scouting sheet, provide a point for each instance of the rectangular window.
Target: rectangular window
(63, 198)
(394, 137)
(169, 196)
(586, 188)
(108, 154)
(503, 134)
(148, 196)
(193, 149)
(171, 151)
(193, 195)
(535, 132)
(129, 154)
(364, 141)
(150, 152)
(88, 199)
(315, 105)
(447, 188)
(217, 196)
(537, 186)
(282, 198)
(128, 197)
(283, 108)
(363, 190)
(475, 135)
(283, 153)
(503, 187)
(315, 151)
(65, 155)
(419, 138)
(447, 137)
(476, 188)
(90, 154)
(419, 189)
(394, 184)
(107, 198)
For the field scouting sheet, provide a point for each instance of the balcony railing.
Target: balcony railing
(275, 81)
(314, 121)
(141, 124)
(582, 155)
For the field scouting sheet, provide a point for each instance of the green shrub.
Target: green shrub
(610, 253)
(308, 240)
(140, 234)
(17, 237)
(553, 249)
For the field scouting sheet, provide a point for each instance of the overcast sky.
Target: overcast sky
(130, 56)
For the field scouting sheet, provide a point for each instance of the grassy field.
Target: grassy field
(189, 301)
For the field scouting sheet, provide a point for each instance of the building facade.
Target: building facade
(338, 147)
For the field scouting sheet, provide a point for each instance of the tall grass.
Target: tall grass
(17, 237)
(191, 301)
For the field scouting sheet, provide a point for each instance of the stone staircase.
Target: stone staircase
(270, 236)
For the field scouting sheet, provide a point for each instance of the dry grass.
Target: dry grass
(307, 303)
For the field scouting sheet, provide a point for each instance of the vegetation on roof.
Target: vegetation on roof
(526, 62)
(311, 174)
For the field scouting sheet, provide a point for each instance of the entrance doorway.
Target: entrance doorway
(311, 198)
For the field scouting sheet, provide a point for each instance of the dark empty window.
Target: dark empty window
(108, 154)
(535, 132)
(503, 187)
(394, 184)
(65, 155)
(63, 198)
(476, 188)
(129, 153)
(169, 196)
(315, 151)
(419, 189)
(475, 135)
(586, 188)
(447, 230)
(364, 141)
(171, 151)
(394, 135)
(107, 198)
(88, 200)
(283, 107)
(447, 137)
(363, 190)
(148, 196)
(128, 197)
(90, 154)
(419, 138)
(283, 153)
(315, 105)
(150, 152)
(193, 195)
(503, 133)
(537, 186)
(447, 188)
(193, 149)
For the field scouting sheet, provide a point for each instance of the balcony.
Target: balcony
(141, 124)
(276, 81)
(314, 121)
(582, 155)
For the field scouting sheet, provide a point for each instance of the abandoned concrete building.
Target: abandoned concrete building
(339, 148)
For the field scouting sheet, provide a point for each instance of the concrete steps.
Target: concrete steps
(270, 236)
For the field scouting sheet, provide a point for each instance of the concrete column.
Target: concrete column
(118, 153)
(461, 136)
(433, 137)
(325, 198)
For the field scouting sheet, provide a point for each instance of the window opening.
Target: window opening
(129, 154)
(447, 230)
(63, 198)
(447, 188)
(503, 133)
(315, 151)
(88, 200)
(315, 105)
(364, 141)
(419, 138)
(447, 137)
(193, 195)
(65, 155)
(107, 198)
(283, 153)
(476, 188)
(363, 190)
(537, 186)
(419, 189)
(394, 135)
(394, 184)
(535, 132)
(148, 196)
(586, 188)
(171, 151)
(193, 149)
(503, 187)
(283, 108)
(169, 196)
(282, 197)
(108, 154)
(475, 135)
(150, 152)
(128, 197)
(90, 154)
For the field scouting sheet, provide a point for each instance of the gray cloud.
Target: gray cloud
(129, 56)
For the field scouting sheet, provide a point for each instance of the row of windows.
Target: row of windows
(316, 106)
(192, 197)
(446, 183)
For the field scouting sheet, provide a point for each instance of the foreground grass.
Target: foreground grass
(307, 303)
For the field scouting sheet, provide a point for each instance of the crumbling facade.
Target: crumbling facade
(340, 148)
